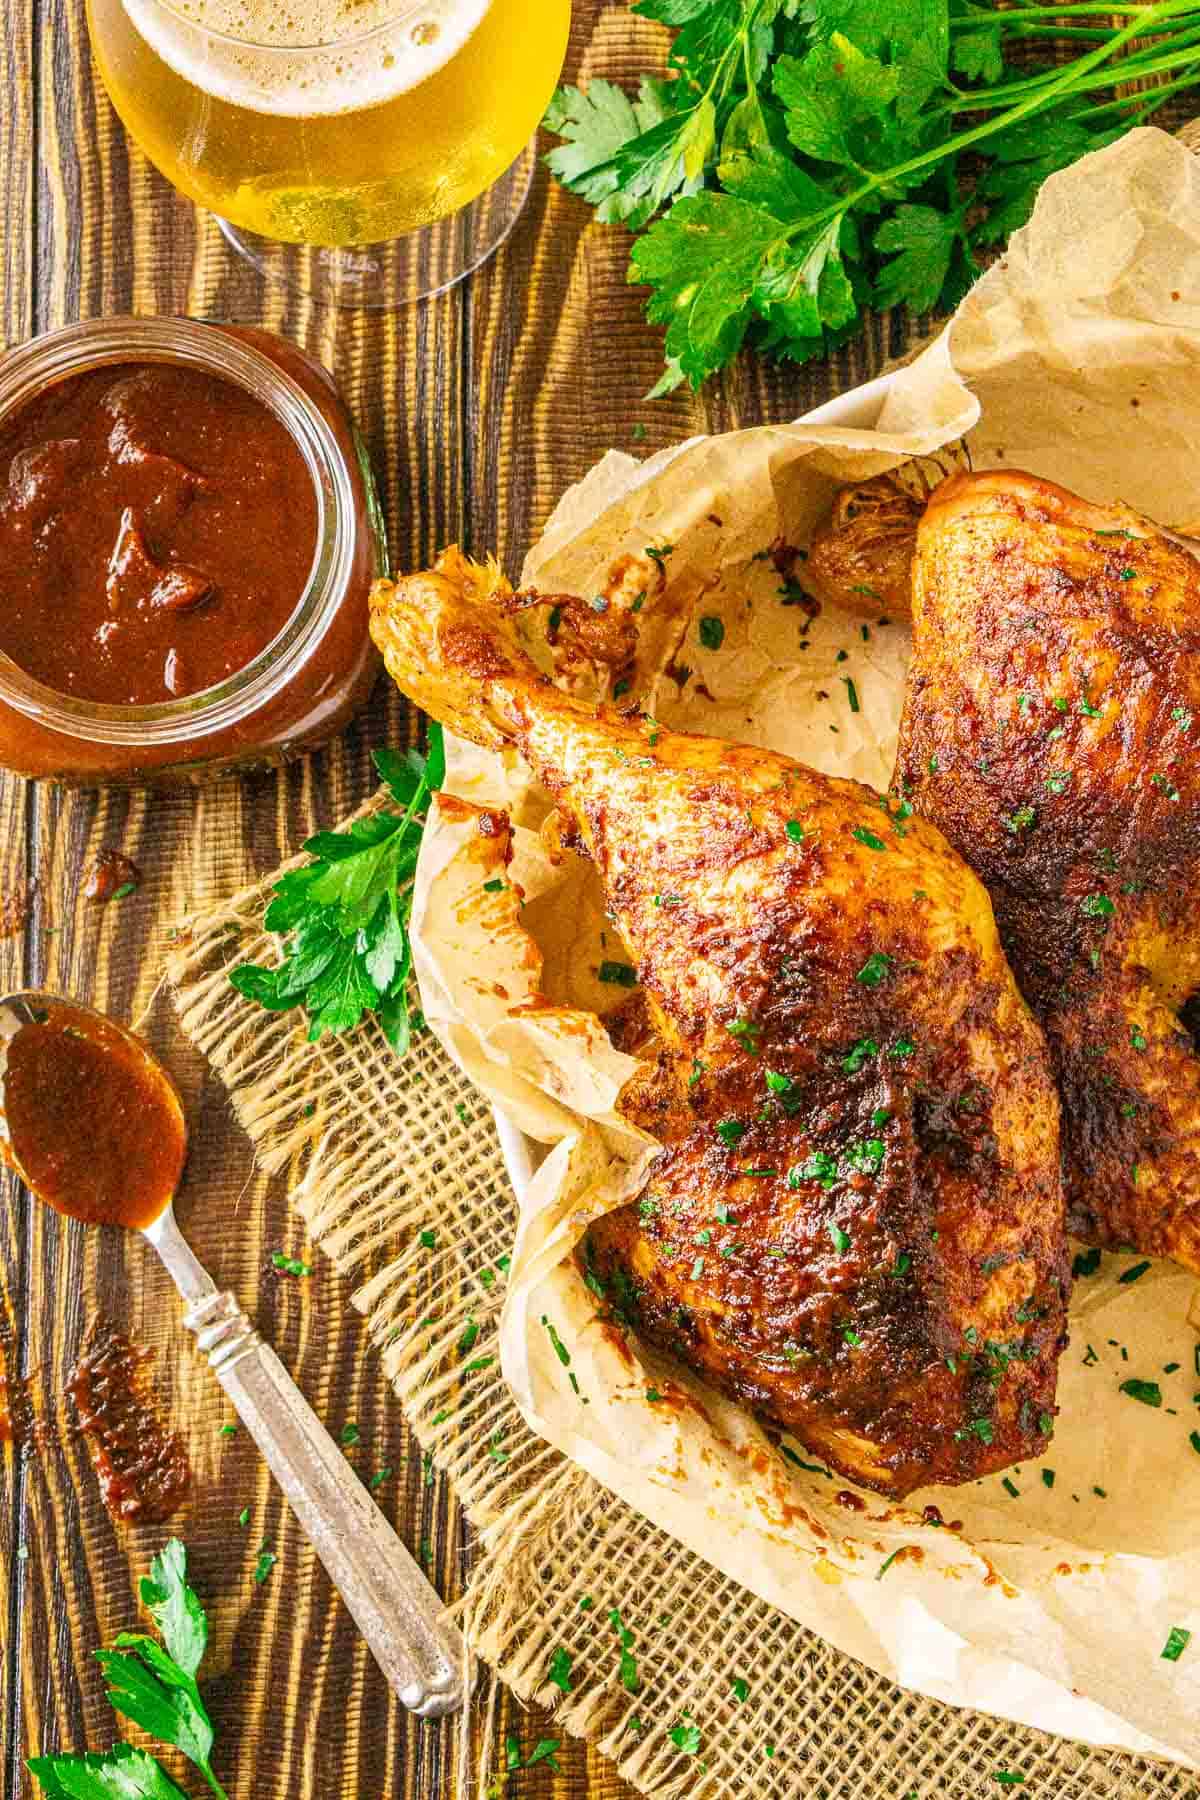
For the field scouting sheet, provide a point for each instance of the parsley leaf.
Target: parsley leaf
(156, 1688)
(122, 1773)
(803, 159)
(345, 915)
(175, 1607)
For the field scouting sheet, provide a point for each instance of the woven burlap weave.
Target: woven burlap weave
(378, 1150)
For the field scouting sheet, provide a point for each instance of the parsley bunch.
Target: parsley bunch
(806, 158)
(345, 915)
(154, 1685)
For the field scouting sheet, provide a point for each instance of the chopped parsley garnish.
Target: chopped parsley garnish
(1168, 787)
(980, 1428)
(860, 1053)
(712, 633)
(1010, 1487)
(1048, 1478)
(820, 1167)
(852, 694)
(1137, 1038)
(618, 974)
(495, 886)
(686, 1739)
(747, 1034)
(1177, 1642)
(886, 1564)
(1057, 782)
(868, 838)
(777, 1083)
(841, 1239)
(559, 1348)
(1097, 906)
(731, 1131)
(739, 1688)
(290, 1265)
(559, 1672)
(866, 1158)
(1148, 1392)
(1133, 1274)
(1021, 820)
(877, 966)
(1086, 1263)
(350, 1433)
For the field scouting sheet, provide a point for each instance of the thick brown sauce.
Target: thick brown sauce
(111, 872)
(140, 1462)
(95, 1128)
(157, 528)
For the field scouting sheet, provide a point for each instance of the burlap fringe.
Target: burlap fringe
(378, 1150)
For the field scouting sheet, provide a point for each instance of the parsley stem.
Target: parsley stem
(1065, 81)
(212, 1781)
(1137, 67)
(1146, 102)
(1076, 7)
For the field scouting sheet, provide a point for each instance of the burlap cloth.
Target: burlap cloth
(377, 1151)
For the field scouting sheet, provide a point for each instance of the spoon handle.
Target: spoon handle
(393, 1605)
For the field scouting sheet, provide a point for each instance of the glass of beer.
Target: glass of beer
(365, 151)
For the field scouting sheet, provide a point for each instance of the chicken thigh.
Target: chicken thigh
(855, 1222)
(1051, 729)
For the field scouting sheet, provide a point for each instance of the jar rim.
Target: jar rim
(29, 368)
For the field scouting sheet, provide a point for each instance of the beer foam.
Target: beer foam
(306, 58)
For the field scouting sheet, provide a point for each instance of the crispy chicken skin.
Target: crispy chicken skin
(855, 1225)
(1052, 730)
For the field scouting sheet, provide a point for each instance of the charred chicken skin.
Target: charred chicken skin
(855, 1223)
(1052, 731)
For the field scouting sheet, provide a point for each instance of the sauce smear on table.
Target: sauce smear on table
(157, 529)
(95, 1127)
(140, 1462)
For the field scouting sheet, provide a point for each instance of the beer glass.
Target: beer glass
(366, 151)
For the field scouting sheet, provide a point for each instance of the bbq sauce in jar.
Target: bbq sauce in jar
(188, 533)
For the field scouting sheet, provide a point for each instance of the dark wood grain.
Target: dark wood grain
(479, 407)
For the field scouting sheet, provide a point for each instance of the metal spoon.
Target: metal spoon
(393, 1605)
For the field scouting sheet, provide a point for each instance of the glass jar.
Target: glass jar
(316, 672)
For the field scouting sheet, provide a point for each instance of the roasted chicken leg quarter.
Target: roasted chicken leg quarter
(855, 1223)
(1052, 730)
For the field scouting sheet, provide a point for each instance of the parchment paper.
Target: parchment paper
(1077, 356)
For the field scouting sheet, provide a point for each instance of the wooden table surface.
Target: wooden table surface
(479, 407)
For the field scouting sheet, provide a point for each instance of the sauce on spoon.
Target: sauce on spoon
(95, 1127)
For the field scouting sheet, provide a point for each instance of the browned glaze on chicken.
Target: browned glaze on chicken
(1052, 730)
(855, 1224)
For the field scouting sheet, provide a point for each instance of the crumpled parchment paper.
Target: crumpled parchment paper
(1053, 1596)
